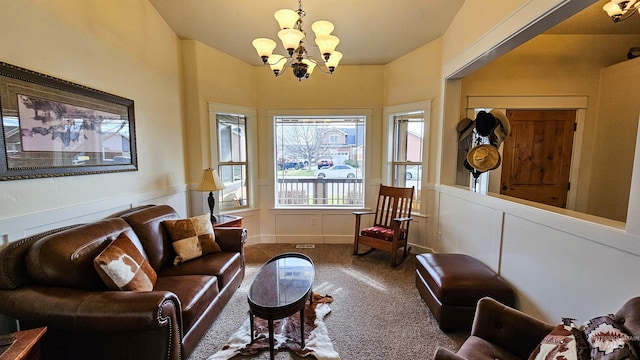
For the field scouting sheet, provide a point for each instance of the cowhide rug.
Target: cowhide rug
(287, 334)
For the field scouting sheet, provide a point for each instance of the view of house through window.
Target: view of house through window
(408, 134)
(319, 160)
(232, 160)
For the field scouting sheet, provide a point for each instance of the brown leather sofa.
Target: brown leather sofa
(501, 332)
(49, 280)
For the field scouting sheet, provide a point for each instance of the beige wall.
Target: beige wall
(210, 76)
(417, 77)
(470, 26)
(474, 19)
(122, 47)
(556, 65)
(615, 140)
(213, 77)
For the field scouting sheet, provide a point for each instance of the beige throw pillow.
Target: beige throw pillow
(191, 238)
(122, 267)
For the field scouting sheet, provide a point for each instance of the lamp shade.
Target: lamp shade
(264, 46)
(322, 27)
(310, 65)
(327, 43)
(286, 18)
(612, 9)
(624, 3)
(211, 181)
(277, 62)
(333, 61)
(290, 38)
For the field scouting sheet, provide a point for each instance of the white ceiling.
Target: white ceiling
(371, 32)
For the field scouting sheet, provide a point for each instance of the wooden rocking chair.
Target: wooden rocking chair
(391, 224)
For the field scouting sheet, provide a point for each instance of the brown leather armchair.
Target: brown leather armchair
(501, 332)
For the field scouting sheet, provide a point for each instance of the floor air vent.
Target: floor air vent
(305, 246)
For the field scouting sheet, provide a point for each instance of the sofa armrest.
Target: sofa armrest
(508, 328)
(444, 354)
(231, 238)
(107, 311)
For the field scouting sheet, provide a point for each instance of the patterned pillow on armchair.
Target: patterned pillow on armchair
(607, 339)
(564, 342)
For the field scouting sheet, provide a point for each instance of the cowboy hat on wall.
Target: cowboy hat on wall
(493, 126)
(484, 157)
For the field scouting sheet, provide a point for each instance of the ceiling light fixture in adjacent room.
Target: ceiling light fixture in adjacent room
(292, 36)
(620, 10)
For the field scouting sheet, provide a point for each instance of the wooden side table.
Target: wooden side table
(227, 221)
(25, 345)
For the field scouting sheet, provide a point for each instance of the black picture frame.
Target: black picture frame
(52, 127)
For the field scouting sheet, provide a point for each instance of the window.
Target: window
(319, 160)
(232, 160)
(407, 149)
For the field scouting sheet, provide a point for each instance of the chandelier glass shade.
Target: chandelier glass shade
(292, 37)
(620, 10)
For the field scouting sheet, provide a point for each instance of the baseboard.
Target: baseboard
(419, 249)
(314, 239)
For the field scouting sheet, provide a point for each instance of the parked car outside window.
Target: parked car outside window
(325, 163)
(338, 172)
(414, 172)
(286, 164)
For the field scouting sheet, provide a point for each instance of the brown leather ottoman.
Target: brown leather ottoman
(452, 284)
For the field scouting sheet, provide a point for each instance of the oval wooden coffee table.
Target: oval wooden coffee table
(280, 289)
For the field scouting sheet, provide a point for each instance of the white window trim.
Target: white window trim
(389, 112)
(366, 112)
(252, 151)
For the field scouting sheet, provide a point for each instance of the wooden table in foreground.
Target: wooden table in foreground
(280, 289)
(25, 345)
(227, 221)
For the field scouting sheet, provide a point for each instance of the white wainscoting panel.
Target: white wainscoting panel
(297, 224)
(562, 275)
(251, 222)
(338, 228)
(298, 228)
(15, 228)
(469, 228)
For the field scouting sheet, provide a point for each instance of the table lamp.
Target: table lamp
(211, 182)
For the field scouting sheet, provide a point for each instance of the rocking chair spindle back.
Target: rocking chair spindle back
(391, 223)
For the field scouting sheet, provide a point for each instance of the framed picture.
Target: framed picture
(52, 127)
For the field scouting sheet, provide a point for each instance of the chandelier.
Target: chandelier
(621, 9)
(292, 36)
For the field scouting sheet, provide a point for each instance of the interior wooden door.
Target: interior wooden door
(537, 155)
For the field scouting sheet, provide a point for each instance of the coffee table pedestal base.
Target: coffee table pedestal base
(270, 320)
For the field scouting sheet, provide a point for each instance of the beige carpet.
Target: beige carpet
(376, 312)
